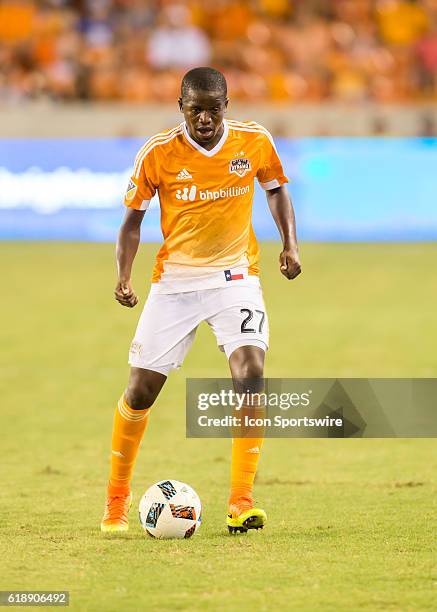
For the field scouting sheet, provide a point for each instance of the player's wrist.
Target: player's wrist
(291, 246)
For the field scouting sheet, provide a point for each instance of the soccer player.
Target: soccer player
(206, 270)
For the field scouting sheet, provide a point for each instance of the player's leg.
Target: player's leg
(247, 368)
(164, 335)
(130, 422)
(240, 323)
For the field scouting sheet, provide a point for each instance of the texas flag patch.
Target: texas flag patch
(230, 277)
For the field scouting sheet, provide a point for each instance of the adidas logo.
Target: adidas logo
(183, 175)
(254, 449)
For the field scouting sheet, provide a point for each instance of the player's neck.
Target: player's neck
(210, 145)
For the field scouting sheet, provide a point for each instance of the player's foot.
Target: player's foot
(115, 518)
(242, 516)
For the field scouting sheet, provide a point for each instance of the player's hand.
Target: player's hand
(125, 295)
(289, 263)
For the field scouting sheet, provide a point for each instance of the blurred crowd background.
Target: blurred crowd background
(135, 51)
(84, 82)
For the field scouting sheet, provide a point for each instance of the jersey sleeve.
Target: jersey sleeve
(143, 182)
(270, 173)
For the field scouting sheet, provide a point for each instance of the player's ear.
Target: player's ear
(180, 104)
(226, 104)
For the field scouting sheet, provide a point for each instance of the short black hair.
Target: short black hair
(204, 79)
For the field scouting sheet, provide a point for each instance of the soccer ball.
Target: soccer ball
(170, 509)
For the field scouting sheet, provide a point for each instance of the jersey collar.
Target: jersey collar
(201, 149)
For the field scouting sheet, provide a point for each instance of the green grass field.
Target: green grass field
(352, 523)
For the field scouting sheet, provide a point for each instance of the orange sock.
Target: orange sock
(128, 429)
(245, 457)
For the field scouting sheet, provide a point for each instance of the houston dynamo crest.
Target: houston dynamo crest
(239, 166)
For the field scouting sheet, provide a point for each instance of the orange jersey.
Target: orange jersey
(206, 202)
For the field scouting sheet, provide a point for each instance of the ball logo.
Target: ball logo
(239, 166)
(187, 193)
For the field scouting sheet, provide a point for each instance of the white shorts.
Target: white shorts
(168, 324)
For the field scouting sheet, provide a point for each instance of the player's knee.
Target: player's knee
(140, 397)
(251, 368)
(143, 388)
(251, 371)
(140, 393)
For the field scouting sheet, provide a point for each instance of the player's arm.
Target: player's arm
(127, 247)
(140, 190)
(282, 211)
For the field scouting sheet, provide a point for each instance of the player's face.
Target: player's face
(204, 112)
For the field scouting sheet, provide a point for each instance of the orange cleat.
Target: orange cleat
(117, 507)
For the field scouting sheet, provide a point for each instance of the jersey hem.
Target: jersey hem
(223, 278)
